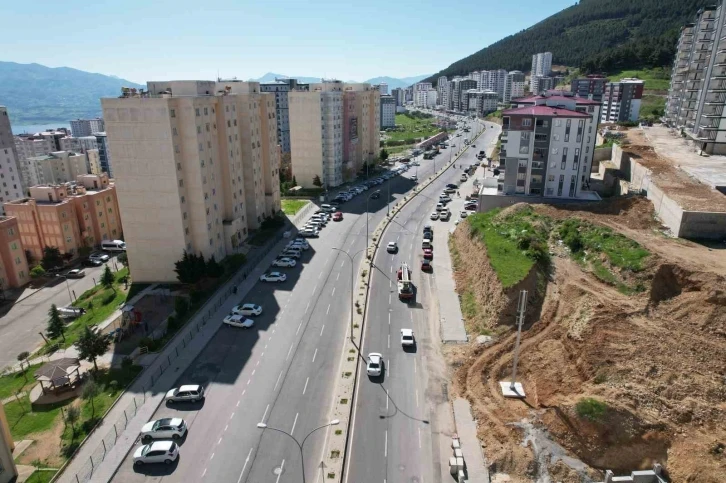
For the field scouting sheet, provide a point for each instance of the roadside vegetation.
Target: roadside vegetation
(291, 207)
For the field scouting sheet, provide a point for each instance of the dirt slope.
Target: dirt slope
(656, 359)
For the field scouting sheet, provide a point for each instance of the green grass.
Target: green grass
(591, 409)
(13, 383)
(41, 476)
(412, 128)
(469, 307)
(621, 252)
(657, 79)
(291, 207)
(22, 421)
(652, 106)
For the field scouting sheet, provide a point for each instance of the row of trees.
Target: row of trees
(193, 268)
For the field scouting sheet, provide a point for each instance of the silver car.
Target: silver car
(190, 392)
(174, 428)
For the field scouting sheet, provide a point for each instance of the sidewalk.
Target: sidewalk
(476, 470)
(104, 449)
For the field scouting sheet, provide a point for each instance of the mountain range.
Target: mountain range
(393, 82)
(596, 35)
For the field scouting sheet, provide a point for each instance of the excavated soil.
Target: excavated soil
(657, 359)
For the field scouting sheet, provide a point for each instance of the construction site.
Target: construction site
(622, 355)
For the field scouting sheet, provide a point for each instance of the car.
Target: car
(463, 177)
(309, 233)
(156, 452)
(273, 277)
(189, 392)
(303, 242)
(444, 198)
(434, 215)
(470, 206)
(440, 206)
(375, 364)
(452, 186)
(445, 215)
(414, 178)
(428, 254)
(247, 309)
(407, 337)
(297, 245)
(284, 262)
(449, 190)
(464, 214)
(338, 216)
(375, 195)
(238, 321)
(426, 265)
(91, 262)
(76, 273)
(99, 256)
(290, 253)
(392, 247)
(166, 428)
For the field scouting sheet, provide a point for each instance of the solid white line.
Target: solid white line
(306, 385)
(292, 431)
(288, 352)
(389, 341)
(205, 472)
(225, 428)
(419, 438)
(231, 416)
(315, 354)
(385, 448)
(265, 415)
(278, 381)
(245, 466)
(321, 330)
(211, 457)
(282, 466)
(327, 311)
(298, 327)
(416, 397)
(389, 318)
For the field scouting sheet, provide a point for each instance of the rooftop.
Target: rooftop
(544, 111)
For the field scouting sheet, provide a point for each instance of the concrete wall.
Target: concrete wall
(489, 202)
(599, 155)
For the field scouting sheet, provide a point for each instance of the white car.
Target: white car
(464, 213)
(273, 277)
(289, 254)
(434, 215)
(303, 242)
(284, 262)
(157, 452)
(189, 392)
(392, 247)
(375, 364)
(239, 321)
(298, 245)
(407, 337)
(174, 428)
(247, 309)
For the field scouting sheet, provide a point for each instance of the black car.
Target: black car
(451, 185)
(375, 196)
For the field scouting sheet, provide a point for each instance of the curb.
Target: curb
(335, 454)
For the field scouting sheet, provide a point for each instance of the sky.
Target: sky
(191, 39)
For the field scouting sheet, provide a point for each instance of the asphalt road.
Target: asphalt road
(281, 372)
(20, 324)
(394, 421)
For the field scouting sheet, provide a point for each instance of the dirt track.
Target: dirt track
(656, 358)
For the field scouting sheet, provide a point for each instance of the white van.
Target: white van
(426, 243)
(327, 208)
(113, 246)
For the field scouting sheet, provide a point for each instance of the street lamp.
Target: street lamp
(352, 283)
(300, 445)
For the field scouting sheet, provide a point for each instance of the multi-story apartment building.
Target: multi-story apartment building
(621, 100)
(94, 161)
(196, 166)
(459, 88)
(696, 101)
(442, 92)
(280, 89)
(86, 127)
(513, 85)
(67, 216)
(400, 96)
(590, 87)
(424, 95)
(11, 183)
(541, 64)
(547, 146)
(32, 145)
(482, 102)
(13, 263)
(361, 127)
(104, 153)
(382, 88)
(8, 470)
(55, 168)
(496, 81)
(388, 112)
(539, 84)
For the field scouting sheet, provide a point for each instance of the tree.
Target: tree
(73, 414)
(384, 155)
(56, 327)
(294, 180)
(37, 272)
(107, 279)
(123, 258)
(190, 269)
(213, 268)
(316, 181)
(23, 358)
(52, 258)
(181, 306)
(91, 346)
(29, 258)
(89, 392)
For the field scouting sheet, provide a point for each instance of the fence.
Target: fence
(192, 328)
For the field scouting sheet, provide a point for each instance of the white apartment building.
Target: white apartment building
(541, 64)
(196, 166)
(382, 88)
(11, 183)
(442, 92)
(514, 85)
(621, 100)
(86, 127)
(494, 80)
(539, 83)
(388, 112)
(482, 102)
(55, 168)
(424, 95)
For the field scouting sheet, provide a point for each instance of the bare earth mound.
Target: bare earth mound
(653, 363)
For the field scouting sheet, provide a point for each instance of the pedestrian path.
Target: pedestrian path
(477, 471)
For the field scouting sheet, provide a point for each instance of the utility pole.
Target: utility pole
(513, 388)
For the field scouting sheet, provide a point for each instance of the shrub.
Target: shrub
(146, 342)
(172, 324)
(196, 297)
(591, 409)
(37, 272)
(181, 306)
(127, 362)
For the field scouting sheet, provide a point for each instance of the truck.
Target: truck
(405, 286)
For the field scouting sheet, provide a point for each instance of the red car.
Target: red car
(426, 266)
(338, 216)
(428, 254)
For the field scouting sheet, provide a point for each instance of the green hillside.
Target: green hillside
(597, 35)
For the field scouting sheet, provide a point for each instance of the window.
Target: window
(551, 177)
(526, 122)
(14, 246)
(526, 136)
(206, 111)
(181, 183)
(556, 137)
(523, 149)
(176, 148)
(17, 259)
(11, 231)
(199, 129)
(183, 199)
(558, 122)
(196, 111)
(178, 166)
(172, 112)
(559, 185)
(555, 150)
(185, 215)
(521, 176)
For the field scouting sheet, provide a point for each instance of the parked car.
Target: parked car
(189, 392)
(445, 215)
(289, 253)
(309, 233)
(284, 262)
(375, 364)
(238, 321)
(157, 452)
(375, 195)
(273, 277)
(166, 428)
(247, 309)
(464, 214)
(338, 216)
(91, 262)
(434, 215)
(99, 256)
(426, 265)
(428, 254)
(76, 273)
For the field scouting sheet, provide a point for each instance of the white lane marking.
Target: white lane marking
(389, 318)
(416, 397)
(288, 352)
(245, 466)
(204, 473)
(315, 354)
(225, 428)
(243, 393)
(327, 311)
(411, 316)
(265, 348)
(391, 268)
(211, 457)
(419, 439)
(298, 328)
(239, 401)
(248, 381)
(282, 467)
(273, 331)
(278, 381)
(389, 341)
(253, 371)
(307, 307)
(231, 416)
(415, 366)
(258, 363)
(387, 399)
(265, 415)
(385, 447)
(333, 293)
(336, 278)
(389, 299)
(315, 288)
(342, 264)
(320, 275)
(306, 385)
(388, 368)
(321, 330)
(294, 423)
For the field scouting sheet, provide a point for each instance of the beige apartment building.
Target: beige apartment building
(13, 263)
(94, 161)
(8, 470)
(196, 167)
(55, 168)
(67, 216)
(334, 129)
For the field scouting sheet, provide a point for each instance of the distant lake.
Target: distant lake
(34, 128)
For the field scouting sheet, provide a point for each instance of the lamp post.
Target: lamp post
(367, 200)
(300, 445)
(352, 283)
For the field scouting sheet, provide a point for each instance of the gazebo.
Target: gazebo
(59, 375)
